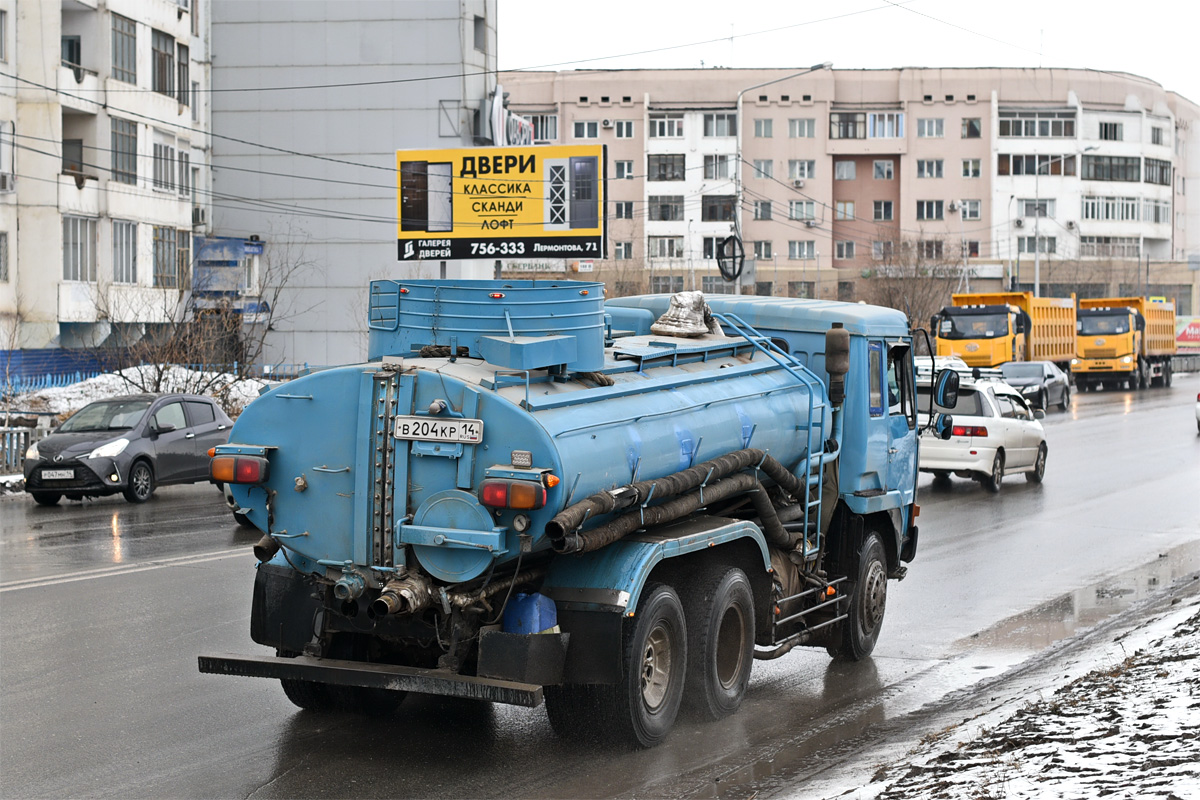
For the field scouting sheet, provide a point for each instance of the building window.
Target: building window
(624, 129)
(1036, 164)
(124, 238)
(801, 169)
(971, 168)
(1158, 171)
(802, 128)
(3, 253)
(1046, 244)
(124, 49)
(124, 150)
(972, 249)
(930, 248)
(720, 124)
(1041, 207)
(710, 246)
(881, 251)
(1158, 211)
(845, 294)
(623, 209)
(1111, 131)
(665, 208)
(884, 170)
(624, 169)
(843, 170)
(1037, 124)
(665, 246)
(4, 57)
(715, 284)
(623, 251)
(1112, 168)
(183, 79)
(665, 167)
(930, 128)
(545, 126)
(929, 168)
(802, 289)
(72, 156)
(802, 250)
(163, 63)
(762, 251)
(764, 168)
(1109, 247)
(481, 34)
(885, 125)
(716, 208)
(883, 211)
(666, 126)
(764, 288)
(762, 209)
(848, 125)
(164, 162)
(716, 167)
(587, 129)
(166, 258)
(79, 249)
(184, 158)
(843, 209)
(970, 209)
(971, 128)
(843, 250)
(1110, 209)
(1156, 135)
(802, 209)
(666, 284)
(763, 128)
(930, 209)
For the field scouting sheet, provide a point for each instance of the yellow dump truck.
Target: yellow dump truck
(990, 328)
(1124, 342)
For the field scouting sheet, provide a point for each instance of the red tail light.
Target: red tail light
(240, 469)
(968, 430)
(512, 494)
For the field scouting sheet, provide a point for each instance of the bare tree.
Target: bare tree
(916, 276)
(623, 277)
(10, 339)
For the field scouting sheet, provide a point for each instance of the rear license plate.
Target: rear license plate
(58, 474)
(429, 429)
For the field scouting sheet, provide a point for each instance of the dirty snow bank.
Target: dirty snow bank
(1130, 728)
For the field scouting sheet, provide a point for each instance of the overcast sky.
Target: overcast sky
(1157, 40)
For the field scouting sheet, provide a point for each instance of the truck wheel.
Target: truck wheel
(992, 481)
(642, 707)
(46, 498)
(314, 696)
(1167, 374)
(1036, 474)
(141, 483)
(868, 601)
(719, 605)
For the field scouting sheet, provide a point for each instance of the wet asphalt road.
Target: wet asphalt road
(104, 607)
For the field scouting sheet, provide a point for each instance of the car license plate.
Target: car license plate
(432, 429)
(58, 474)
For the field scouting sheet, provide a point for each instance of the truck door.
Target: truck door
(901, 421)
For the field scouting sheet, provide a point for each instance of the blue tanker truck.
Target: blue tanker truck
(530, 494)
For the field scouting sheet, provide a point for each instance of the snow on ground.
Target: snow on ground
(1127, 728)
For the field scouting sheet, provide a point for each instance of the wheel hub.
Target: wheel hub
(874, 597)
(656, 667)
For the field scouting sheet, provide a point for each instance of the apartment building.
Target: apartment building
(831, 177)
(104, 169)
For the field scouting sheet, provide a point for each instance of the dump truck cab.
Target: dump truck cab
(982, 335)
(1124, 342)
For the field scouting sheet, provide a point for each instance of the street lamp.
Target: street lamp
(737, 212)
(1037, 215)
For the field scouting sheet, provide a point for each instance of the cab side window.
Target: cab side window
(875, 381)
(170, 414)
(899, 390)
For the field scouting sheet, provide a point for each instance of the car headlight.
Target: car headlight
(32, 453)
(110, 450)
(1030, 389)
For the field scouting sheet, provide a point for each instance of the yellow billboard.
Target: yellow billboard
(501, 202)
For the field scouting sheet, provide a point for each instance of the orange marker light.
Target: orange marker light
(552, 480)
(830, 591)
(212, 451)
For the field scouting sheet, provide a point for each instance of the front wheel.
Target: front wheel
(1038, 472)
(992, 481)
(720, 641)
(868, 601)
(141, 483)
(1043, 400)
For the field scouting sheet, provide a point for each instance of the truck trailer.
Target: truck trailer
(1124, 341)
(991, 328)
(527, 494)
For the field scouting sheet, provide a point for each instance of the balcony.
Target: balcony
(79, 194)
(78, 302)
(80, 90)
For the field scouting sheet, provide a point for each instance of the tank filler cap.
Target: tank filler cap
(437, 406)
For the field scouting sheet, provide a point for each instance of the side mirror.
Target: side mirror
(164, 428)
(945, 389)
(943, 426)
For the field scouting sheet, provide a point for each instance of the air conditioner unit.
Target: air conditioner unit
(606, 123)
(1070, 224)
(811, 223)
(199, 216)
(798, 183)
(6, 182)
(1018, 223)
(952, 206)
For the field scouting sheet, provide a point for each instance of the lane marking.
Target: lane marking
(107, 572)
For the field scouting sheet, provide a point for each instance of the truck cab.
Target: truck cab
(982, 335)
(1108, 341)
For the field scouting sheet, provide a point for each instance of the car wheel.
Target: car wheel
(141, 483)
(868, 601)
(941, 475)
(1039, 466)
(46, 498)
(1043, 400)
(1065, 403)
(992, 481)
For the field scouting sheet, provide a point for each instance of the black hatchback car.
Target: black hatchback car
(129, 444)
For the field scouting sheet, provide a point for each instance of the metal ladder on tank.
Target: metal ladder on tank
(794, 627)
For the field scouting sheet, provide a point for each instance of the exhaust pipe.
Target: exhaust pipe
(266, 548)
(406, 595)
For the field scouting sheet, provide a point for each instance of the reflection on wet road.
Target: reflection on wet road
(105, 606)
